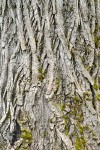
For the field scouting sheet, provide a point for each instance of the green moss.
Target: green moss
(27, 139)
(95, 85)
(40, 75)
(9, 115)
(73, 112)
(80, 143)
(88, 99)
(88, 68)
(66, 118)
(96, 25)
(95, 139)
(76, 98)
(97, 41)
(26, 135)
(99, 82)
(80, 128)
(98, 97)
(79, 117)
(66, 133)
(66, 124)
(61, 107)
(86, 128)
(45, 133)
(40, 70)
(39, 58)
(57, 83)
(86, 94)
(98, 78)
(51, 120)
(73, 134)
(93, 134)
(17, 148)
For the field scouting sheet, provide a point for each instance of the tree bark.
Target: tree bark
(49, 74)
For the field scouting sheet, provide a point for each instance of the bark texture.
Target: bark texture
(50, 74)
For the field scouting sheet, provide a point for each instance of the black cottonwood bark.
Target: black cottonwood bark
(50, 74)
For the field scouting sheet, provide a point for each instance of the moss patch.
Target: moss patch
(66, 133)
(98, 97)
(27, 136)
(27, 139)
(57, 83)
(62, 107)
(97, 41)
(95, 85)
(80, 143)
(41, 74)
(80, 128)
(86, 94)
(76, 98)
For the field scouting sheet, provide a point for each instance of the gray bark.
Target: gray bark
(49, 74)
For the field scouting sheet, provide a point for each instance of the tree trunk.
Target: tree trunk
(49, 74)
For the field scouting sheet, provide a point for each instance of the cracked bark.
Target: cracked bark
(49, 74)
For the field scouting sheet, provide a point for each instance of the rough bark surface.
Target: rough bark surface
(49, 74)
